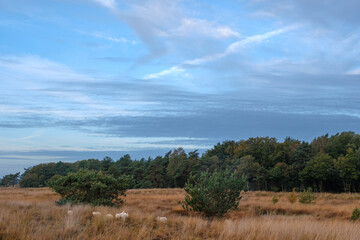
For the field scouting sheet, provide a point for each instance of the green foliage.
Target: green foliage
(39, 175)
(275, 199)
(338, 144)
(349, 168)
(328, 163)
(214, 194)
(30, 180)
(177, 169)
(10, 180)
(89, 187)
(307, 196)
(106, 163)
(279, 174)
(154, 175)
(355, 214)
(318, 170)
(292, 197)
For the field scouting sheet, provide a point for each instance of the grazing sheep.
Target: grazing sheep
(124, 216)
(161, 219)
(109, 216)
(96, 213)
(70, 212)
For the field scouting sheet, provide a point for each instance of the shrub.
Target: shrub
(292, 197)
(307, 196)
(275, 199)
(214, 194)
(355, 214)
(89, 187)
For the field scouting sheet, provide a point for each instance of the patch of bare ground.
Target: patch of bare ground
(32, 214)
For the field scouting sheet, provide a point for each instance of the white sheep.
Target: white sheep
(96, 213)
(70, 212)
(161, 219)
(124, 216)
(109, 216)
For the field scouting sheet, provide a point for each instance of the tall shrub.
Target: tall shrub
(214, 194)
(89, 187)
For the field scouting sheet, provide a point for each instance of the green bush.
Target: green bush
(307, 197)
(89, 187)
(214, 194)
(275, 199)
(355, 214)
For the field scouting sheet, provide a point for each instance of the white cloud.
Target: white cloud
(44, 89)
(166, 19)
(236, 46)
(164, 26)
(111, 38)
(106, 36)
(232, 48)
(107, 3)
(33, 68)
(95, 142)
(172, 70)
(190, 26)
(354, 71)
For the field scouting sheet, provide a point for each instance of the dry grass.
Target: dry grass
(32, 214)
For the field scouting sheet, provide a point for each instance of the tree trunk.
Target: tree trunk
(321, 185)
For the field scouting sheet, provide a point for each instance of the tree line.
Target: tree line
(328, 163)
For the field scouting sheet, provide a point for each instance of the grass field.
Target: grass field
(32, 214)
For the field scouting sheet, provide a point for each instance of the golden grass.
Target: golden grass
(32, 214)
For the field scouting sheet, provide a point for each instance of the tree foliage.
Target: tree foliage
(10, 180)
(328, 163)
(318, 170)
(214, 194)
(90, 187)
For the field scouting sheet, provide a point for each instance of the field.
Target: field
(32, 214)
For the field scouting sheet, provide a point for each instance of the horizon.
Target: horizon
(144, 77)
(74, 156)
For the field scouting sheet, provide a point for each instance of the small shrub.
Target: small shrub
(307, 197)
(355, 214)
(275, 199)
(292, 197)
(214, 194)
(89, 187)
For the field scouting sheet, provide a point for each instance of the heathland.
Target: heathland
(28, 213)
(276, 173)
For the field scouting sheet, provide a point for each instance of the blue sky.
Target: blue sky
(90, 78)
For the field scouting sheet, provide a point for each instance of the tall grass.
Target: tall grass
(32, 214)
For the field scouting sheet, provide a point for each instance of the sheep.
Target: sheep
(70, 212)
(109, 216)
(96, 213)
(161, 219)
(124, 216)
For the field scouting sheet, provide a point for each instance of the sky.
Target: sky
(84, 79)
